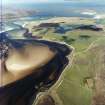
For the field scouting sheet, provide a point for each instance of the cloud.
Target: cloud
(23, 1)
(42, 0)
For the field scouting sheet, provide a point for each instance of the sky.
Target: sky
(45, 1)
(34, 1)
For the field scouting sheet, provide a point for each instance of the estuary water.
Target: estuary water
(94, 10)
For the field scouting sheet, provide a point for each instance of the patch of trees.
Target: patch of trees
(84, 36)
(68, 40)
(49, 25)
(90, 27)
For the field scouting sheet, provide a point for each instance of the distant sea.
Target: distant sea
(70, 9)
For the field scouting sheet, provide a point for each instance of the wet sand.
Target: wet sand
(24, 61)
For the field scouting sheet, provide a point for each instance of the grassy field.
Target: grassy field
(79, 79)
(78, 83)
(75, 38)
